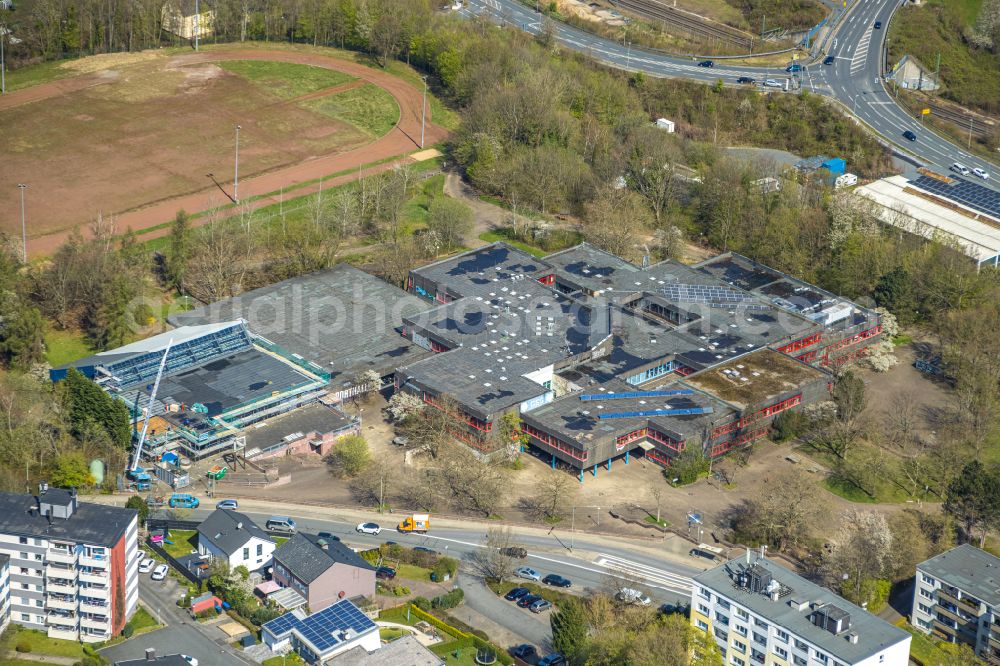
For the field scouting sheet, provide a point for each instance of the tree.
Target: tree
(849, 394)
(349, 456)
(552, 497)
(21, 332)
(862, 558)
(179, 250)
(376, 482)
(569, 630)
(493, 561)
(894, 292)
(139, 504)
(784, 514)
(614, 219)
(70, 470)
(87, 403)
(450, 219)
(972, 500)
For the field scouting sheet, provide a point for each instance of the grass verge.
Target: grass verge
(40, 644)
(61, 347)
(369, 108)
(182, 543)
(284, 79)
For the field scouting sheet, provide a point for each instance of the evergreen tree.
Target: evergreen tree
(139, 504)
(179, 250)
(569, 630)
(85, 403)
(973, 499)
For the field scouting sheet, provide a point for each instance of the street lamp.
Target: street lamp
(628, 54)
(572, 528)
(423, 112)
(24, 231)
(3, 67)
(236, 170)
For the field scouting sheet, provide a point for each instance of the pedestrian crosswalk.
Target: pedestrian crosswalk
(861, 51)
(650, 576)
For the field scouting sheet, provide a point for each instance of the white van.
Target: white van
(961, 168)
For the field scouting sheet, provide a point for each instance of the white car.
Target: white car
(160, 572)
(982, 174)
(527, 573)
(147, 565)
(632, 596)
(189, 659)
(368, 528)
(772, 83)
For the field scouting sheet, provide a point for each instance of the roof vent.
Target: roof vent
(798, 604)
(239, 526)
(853, 637)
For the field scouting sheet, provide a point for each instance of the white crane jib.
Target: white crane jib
(149, 408)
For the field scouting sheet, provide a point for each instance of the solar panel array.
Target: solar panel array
(687, 411)
(635, 394)
(704, 293)
(972, 195)
(323, 629)
(747, 307)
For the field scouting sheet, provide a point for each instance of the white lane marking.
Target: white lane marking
(655, 577)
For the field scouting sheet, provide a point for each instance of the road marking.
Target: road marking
(661, 579)
(861, 51)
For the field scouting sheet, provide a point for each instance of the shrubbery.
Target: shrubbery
(449, 600)
(23, 646)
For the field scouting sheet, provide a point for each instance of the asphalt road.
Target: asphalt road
(854, 79)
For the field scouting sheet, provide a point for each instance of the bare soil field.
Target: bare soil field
(138, 138)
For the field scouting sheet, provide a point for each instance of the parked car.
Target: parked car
(160, 572)
(878, 25)
(554, 659)
(706, 63)
(630, 595)
(981, 173)
(282, 524)
(368, 528)
(540, 606)
(328, 536)
(527, 572)
(516, 593)
(746, 79)
(528, 599)
(147, 565)
(828, 60)
(183, 501)
(189, 659)
(230, 504)
(514, 551)
(385, 573)
(772, 83)
(671, 609)
(555, 580)
(422, 549)
(525, 651)
(909, 135)
(794, 67)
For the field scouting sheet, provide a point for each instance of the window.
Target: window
(721, 634)
(798, 661)
(703, 609)
(24, 570)
(781, 652)
(760, 623)
(22, 540)
(736, 661)
(924, 593)
(723, 604)
(25, 617)
(821, 658)
(927, 579)
(39, 603)
(260, 549)
(757, 638)
(702, 626)
(24, 556)
(782, 636)
(801, 646)
(246, 553)
(25, 586)
(705, 593)
(742, 614)
(38, 556)
(924, 608)
(742, 631)
(740, 646)
(722, 619)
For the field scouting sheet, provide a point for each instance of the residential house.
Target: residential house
(322, 570)
(322, 635)
(235, 538)
(405, 651)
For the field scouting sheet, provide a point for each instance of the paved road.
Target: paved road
(181, 635)
(854, 79)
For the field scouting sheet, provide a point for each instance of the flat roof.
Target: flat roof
(755, 378)
(478, 272)
(970, 569)
(228, 382)
(591, 267)
(978, 237)
(405, 651)
(342, 319)
(96, 524)
(316, 417)
(874, 634)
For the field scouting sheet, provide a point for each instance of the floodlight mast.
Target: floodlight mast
(149, 409)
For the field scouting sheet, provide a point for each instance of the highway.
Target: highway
(854, 79)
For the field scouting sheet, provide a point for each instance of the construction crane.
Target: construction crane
(143, 481)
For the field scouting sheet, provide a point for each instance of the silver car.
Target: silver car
(527, 573)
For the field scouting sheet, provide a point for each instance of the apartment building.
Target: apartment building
(956, 598)
(762, 614)
(4, 592)
(73, 565)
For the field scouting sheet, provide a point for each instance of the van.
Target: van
(280, 524)
(960, 168)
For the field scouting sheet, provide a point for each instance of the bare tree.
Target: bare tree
(553, 497)
(493, 560)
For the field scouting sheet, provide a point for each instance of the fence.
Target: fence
(180, 568)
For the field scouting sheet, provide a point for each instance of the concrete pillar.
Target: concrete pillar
(609, 464)
(581, 475)
(553, 461)
(626, 457)
(593, 470)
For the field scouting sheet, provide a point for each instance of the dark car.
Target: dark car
(514, 551)
(746, 79)
(555, 580)
(528, 599)
(671, 609)
(878, 25)
(910, 135)
(516, 593)
(795, 67)
(554, 659)
(385, 573)
(421, 549)
(327, 536)
(524, 651)
(828, 60)
(706, 63)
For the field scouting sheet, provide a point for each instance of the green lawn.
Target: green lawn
(290, 660)
(369, 108)
(923, 648)
(143, 620)
(184, 541)
(26, 77)
(392, 633)
(40, 643)
(494, 236)
(64, 346)
(413, 572)
(284, 79)
(415, 209)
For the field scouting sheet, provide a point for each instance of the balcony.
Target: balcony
(60, 586)
(91, 561)
(62, 604)
(60, 556)
(95, 592)
(951, 596)
(88, 605)
(943, 631)
(64, 634)
(95, 635)
(94, 577)
(62, 621)
(950, 614)
(94, 623)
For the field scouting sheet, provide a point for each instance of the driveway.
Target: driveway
(523, 625)
(181, 634)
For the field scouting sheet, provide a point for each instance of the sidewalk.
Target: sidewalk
(40, 658)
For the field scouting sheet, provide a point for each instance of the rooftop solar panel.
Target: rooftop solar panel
(635, 394)
(971, 195)
(702, 293)
(687, 411)
(325, 628)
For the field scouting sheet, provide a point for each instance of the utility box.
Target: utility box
(665, 124)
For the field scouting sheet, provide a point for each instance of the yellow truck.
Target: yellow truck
(418, 522)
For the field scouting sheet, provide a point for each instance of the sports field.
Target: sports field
(132, 130)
